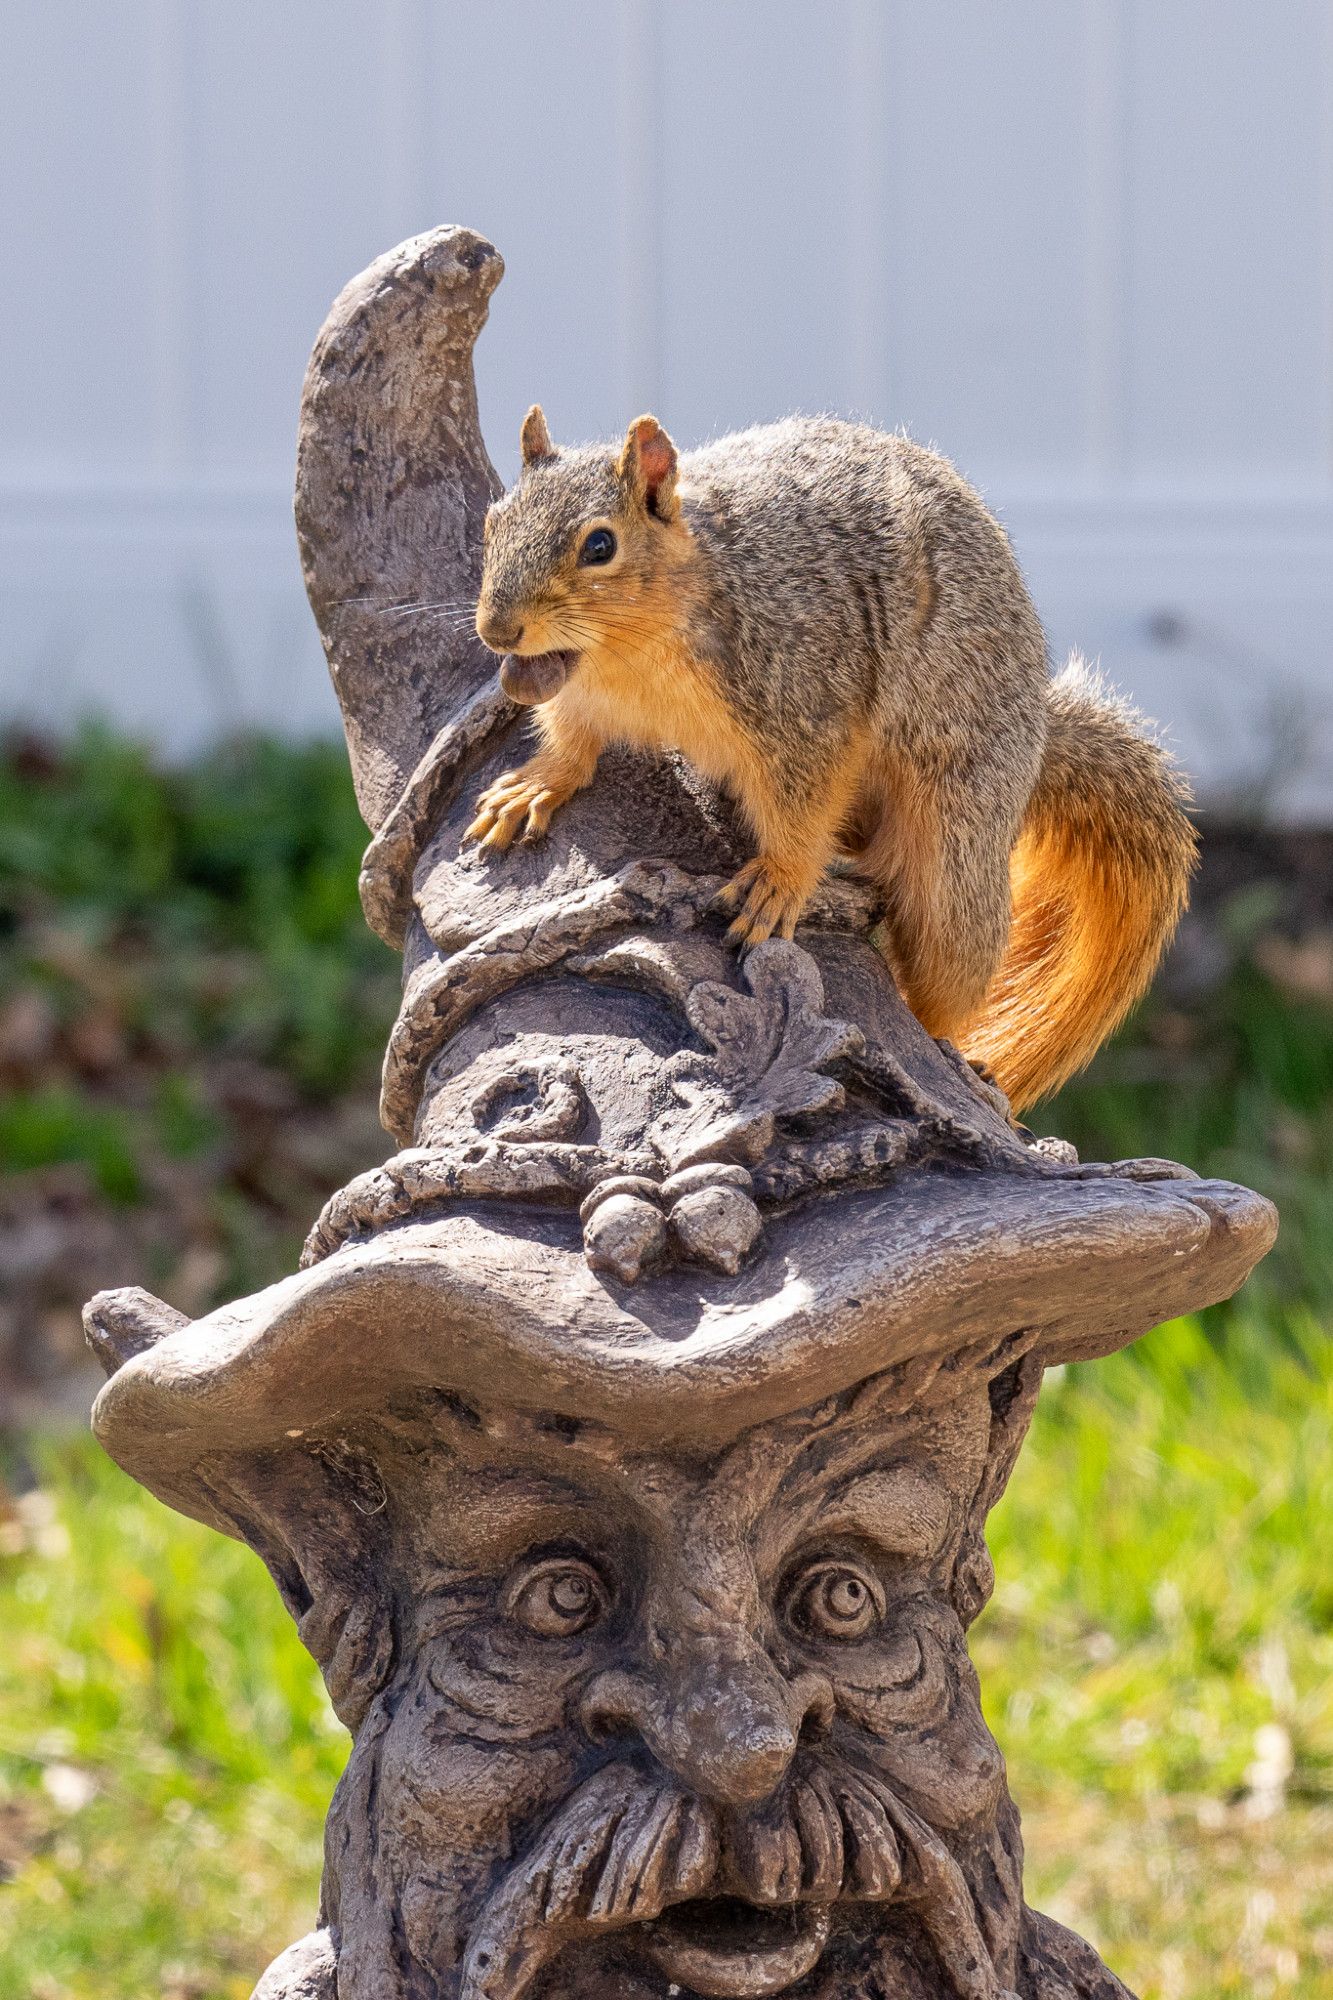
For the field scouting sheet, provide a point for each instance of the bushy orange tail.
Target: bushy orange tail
(1099, 877)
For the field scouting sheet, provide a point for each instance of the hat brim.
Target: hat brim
(501, 1308)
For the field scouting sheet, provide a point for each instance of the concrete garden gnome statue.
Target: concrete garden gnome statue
(624, 1448)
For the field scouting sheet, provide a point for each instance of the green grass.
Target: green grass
(1158, 1659)
(1161, 1637)
(153, 1661)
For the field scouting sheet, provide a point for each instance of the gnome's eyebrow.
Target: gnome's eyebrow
(901, 1508)
(494, 1527)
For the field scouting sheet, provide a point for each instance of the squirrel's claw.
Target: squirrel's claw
(769, 901)
(513, 802)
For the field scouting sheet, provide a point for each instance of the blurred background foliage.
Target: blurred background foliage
(192, 1014)
(191, 1020)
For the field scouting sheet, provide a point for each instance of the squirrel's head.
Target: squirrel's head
(573, 554)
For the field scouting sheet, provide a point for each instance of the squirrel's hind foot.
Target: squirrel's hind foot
(769, 900)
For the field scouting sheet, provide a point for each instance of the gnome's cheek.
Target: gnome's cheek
(438, 1908)
(954, 1779)
(930, 1739)
(908, 1679)
(899, 1689)
(499, 1697)
(445, 1795)
(917, 1704)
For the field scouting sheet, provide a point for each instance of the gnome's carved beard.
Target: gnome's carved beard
(623, 1851)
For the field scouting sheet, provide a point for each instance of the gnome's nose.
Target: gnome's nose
(727, 1729)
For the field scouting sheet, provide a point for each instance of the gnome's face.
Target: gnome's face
(670, 1728)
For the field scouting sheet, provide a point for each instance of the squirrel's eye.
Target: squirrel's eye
(599, 547)
(835, 1600)
(558, 1598)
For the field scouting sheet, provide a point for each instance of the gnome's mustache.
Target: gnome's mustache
(623, 1850)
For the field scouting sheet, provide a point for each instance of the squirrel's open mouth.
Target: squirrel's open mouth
(535, 676)
(727, 1949)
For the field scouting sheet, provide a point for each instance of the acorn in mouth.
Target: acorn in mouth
(727, 1949)
(534, 677)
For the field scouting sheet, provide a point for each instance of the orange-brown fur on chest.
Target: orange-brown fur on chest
(655, 693)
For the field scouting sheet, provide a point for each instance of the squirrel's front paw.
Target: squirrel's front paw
(504, 807)
(767, 899)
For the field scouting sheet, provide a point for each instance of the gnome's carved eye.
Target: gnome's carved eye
(557, 1598)
(835, 1600)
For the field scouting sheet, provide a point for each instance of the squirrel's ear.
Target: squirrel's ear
(534, 436)
(648, 467)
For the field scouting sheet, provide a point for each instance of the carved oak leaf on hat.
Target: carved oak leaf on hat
(772, 1050)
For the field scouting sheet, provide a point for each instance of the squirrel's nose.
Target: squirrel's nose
(500, 634)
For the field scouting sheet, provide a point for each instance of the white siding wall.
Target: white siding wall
(1086, 246)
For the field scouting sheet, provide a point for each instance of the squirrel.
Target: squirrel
(826, 619)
